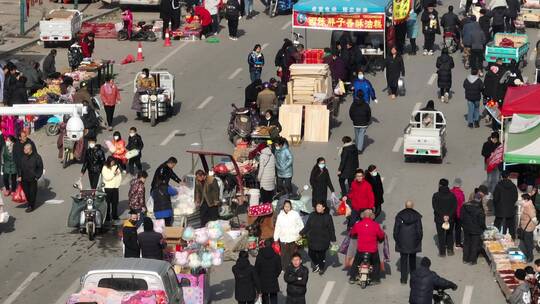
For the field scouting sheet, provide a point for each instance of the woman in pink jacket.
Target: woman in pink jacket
(110, 96)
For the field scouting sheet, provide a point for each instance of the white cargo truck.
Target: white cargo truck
(60, 25)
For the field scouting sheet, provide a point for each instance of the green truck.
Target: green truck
(518, 52)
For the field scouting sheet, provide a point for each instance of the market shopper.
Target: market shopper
(268, 269)
(284, 166)
(287, 231)
(207, 196)
(394, 70)
(319, 231)
(232, 13)
(93, 161)
(169, 12)
(348, 155)
(444, 208)
(488, 148)
(430, 28)
(360, 114)
(444, 65)
(18, 148)
(473, 86)
(165, 172)
(374, 179)
(460, 199)
(522, 293)
(369, 234)
(364, 85)
(20, 93)
(267, 175)
(246, 281)
(49, 64)
(256, 62)
(424, 282)
(212, 6)
(296, 276)
(10, 82)
(527, 223)
(412, 31)
(29, 172)
(408, 234)
(129, 236)
(320, 182)
(473, 220)
(135, 143)
(110, 96)
(119, 150)
(360, 193)
(505, 196)
(112, 178)
(90, 120)
(161, 195)
(151, 242)
(9, 169)
(137, 193)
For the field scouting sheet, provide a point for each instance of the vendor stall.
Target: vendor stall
(522, 140)
(93, 72)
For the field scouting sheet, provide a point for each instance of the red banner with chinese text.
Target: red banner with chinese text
(349, 22)
(495, 159)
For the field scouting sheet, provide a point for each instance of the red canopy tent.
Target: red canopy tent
(522, 100)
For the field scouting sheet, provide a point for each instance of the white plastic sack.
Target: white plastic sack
(150, 204)
(4, 217)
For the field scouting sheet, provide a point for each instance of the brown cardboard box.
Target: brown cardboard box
(173, 235)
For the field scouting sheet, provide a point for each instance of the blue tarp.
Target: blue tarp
(341, 6)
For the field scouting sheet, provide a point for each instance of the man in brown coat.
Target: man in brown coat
(207, 196)
(266, 100)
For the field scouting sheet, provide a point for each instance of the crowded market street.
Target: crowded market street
(42, 260)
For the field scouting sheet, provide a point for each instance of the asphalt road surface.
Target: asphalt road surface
(42, 260)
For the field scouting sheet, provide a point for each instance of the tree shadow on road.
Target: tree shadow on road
(222, 291)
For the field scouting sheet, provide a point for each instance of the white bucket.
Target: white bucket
(254, 196)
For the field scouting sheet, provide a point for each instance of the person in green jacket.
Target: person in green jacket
(9, 168)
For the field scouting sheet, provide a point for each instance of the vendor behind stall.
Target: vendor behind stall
(207, 196)
(271, 121)
(144, 82)
(204, 18)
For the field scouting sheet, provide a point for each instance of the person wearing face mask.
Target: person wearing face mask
(135, 142)
(145, 81)
(256, 62)
(120, 150)
(319, 231)
(284, 166)
(110, 96)
(320, 182)
(93, 161)
(129, 236)
(374, 179)
(8, 167)
(112, 178)
(271, 121)
(364, 85)
(287, 232)
(89, 119)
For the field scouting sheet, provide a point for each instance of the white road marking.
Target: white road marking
(286, 25)
(264, 46)
(235, 73)
(69, 291)
(169, 137)
(417, 106)
(326, 292)
(432, 79)
(397, 145)
(178, 48)
(54, 202)
(196, 144)
(205, 102)
(392, 185)
(343, 293)
(467, 294)
(12, 297)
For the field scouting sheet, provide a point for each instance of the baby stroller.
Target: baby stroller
(450, 41)
(241, 124)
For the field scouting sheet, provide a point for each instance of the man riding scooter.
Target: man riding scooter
(369, 234)
(450, 23)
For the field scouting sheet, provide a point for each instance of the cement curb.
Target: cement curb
(35, 40)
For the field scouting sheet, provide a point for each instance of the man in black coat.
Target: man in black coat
(348, 164)
(424, 282)
(505, 196)
(129, 236)
(151, 242)
(169, 12)
(485, 23)
(473, 221)
(360, 114)
(49, 64)
(93, 161)
(252, 92)
(29, 171)
(10, 82)
(487, 149)
(296, 277)
(268, 268)
(450, 21)
(473, 86)
(394, 70)
(408, 234)
(511, 14)
(444, 208)
(246, 280)
(18, 148)
(135, 142)
(165, 173)
(430, 28)
(90, 120)
(19, 95)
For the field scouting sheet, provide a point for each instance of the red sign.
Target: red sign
(351, 22)
(495, 159)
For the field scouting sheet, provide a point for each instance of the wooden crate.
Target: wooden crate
(316, 123)
(290, 118)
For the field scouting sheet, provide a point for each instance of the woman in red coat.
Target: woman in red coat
(204, 18)
(361, 193)
(87, 45)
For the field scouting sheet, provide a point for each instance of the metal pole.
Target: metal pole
(22, 16)
(76, 4)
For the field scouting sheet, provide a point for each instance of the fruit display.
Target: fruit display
(41, 94)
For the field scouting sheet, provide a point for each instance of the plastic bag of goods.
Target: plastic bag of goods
(201, 235)
(188, 234)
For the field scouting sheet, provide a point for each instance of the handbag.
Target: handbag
(520, 232)
(344, 247)
(132, 153)
(19, 196)
(276, 247)
(260, 210)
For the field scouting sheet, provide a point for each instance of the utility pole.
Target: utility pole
(76, 4)
(22, 16)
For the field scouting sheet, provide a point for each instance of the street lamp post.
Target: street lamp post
(22, 17)
(76, 4)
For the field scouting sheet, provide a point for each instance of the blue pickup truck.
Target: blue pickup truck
(518, 52)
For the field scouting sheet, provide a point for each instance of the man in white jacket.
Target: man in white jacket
(212, 6)
(287, 232)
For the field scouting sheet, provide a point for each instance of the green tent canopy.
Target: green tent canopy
(522, 140)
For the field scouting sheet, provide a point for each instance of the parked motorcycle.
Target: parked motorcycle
(142, 32)
(364, 270)
(92, 209)
(243, 121)
(52, 128)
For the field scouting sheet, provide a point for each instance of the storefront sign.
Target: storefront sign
(401, 9)
(351, 22)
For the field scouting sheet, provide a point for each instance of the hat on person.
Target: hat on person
(520, 274)
(483, 189)
(426, 262)
(457, 182)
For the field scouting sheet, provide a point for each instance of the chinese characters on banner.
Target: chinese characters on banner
(401, 9)
(352, 22)
(495, 159)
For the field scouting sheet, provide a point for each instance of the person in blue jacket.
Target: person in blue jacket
(364, 85)
(284, 166)
(256, 62)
